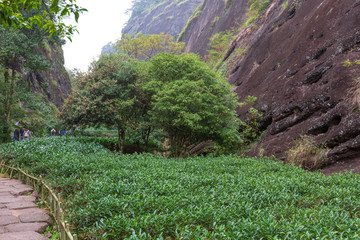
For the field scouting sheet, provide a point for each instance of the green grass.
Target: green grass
(111, 196)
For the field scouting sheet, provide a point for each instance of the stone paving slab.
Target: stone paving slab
(39, 227)
(20, 217)
(6, 220)
(20, 205)
(29, 211)
(27, 198)
(22, 236)
(35, 217)
(5, 212)
(8, 199)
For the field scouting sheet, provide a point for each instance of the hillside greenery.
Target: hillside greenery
(109, 196)
(19, 54)
(45, 15)
(148, 87)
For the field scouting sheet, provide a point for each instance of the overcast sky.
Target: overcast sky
(101, 24)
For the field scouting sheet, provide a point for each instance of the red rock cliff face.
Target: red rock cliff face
(53, 83)
(168, 17)
(212, 17)
(294, 65)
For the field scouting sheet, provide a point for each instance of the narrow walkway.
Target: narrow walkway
(20, 217)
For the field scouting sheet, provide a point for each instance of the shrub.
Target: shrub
(306, 154)
(219, 44)
(190, 102)
(110, 196)
(255, 9)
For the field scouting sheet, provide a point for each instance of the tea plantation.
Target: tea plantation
(110, 196)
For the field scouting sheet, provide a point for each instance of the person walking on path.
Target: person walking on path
(22, 134)
(27, 134)
(16, 134)
(53, 132)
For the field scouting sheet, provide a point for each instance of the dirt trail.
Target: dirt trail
(20, 217)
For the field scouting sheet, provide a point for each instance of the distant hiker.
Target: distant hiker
(16, 134)
(22, 134)
(63, 132)
(27, 133)
(53, 132)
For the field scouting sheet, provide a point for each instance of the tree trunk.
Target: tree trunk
(146, 135)
(7, 94)
(11, 93)
(121, 137)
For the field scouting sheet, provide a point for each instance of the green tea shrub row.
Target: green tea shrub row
(110, 196)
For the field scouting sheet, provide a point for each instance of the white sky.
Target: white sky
(101, 24)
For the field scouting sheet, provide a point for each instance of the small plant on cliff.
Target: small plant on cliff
(306, 154)
(219, 44)
(249, 128)
(255, 9)
(355, 90)
(284, 6)
(196, 13)
(228, 4)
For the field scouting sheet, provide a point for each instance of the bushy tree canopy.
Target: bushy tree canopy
(49, 16)
(107, 94)
(144, 47)
(190, 102)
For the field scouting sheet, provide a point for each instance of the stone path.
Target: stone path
(20, 217)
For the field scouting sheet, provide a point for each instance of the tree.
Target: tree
(18, 52)
(190, 102)
(107, 94)
(144, 47)
(49, 15)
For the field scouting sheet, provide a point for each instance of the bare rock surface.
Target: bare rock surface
(294, 65)
(20, 217)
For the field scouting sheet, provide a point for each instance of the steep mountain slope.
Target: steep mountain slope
(168, 17)
(294, 65)
(213, 16)
(53, 83)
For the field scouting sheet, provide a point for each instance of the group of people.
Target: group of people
(61, 132)
(21, 134)
(24, 133)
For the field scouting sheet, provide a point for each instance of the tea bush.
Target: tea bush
(109, 196)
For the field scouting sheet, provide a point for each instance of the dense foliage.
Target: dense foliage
(19, 54)
(190, 102)
(107, 94)
(111, 196)
(49, 15)
(148, 87)
(144, 47)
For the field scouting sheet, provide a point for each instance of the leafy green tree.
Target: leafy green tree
(144, 47)
(190, 102)
(107, 94)
(49, 15)
(18, 52)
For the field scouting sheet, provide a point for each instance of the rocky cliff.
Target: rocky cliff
(294, 65)
(168, 17)
(212, 16)
(53, 83)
